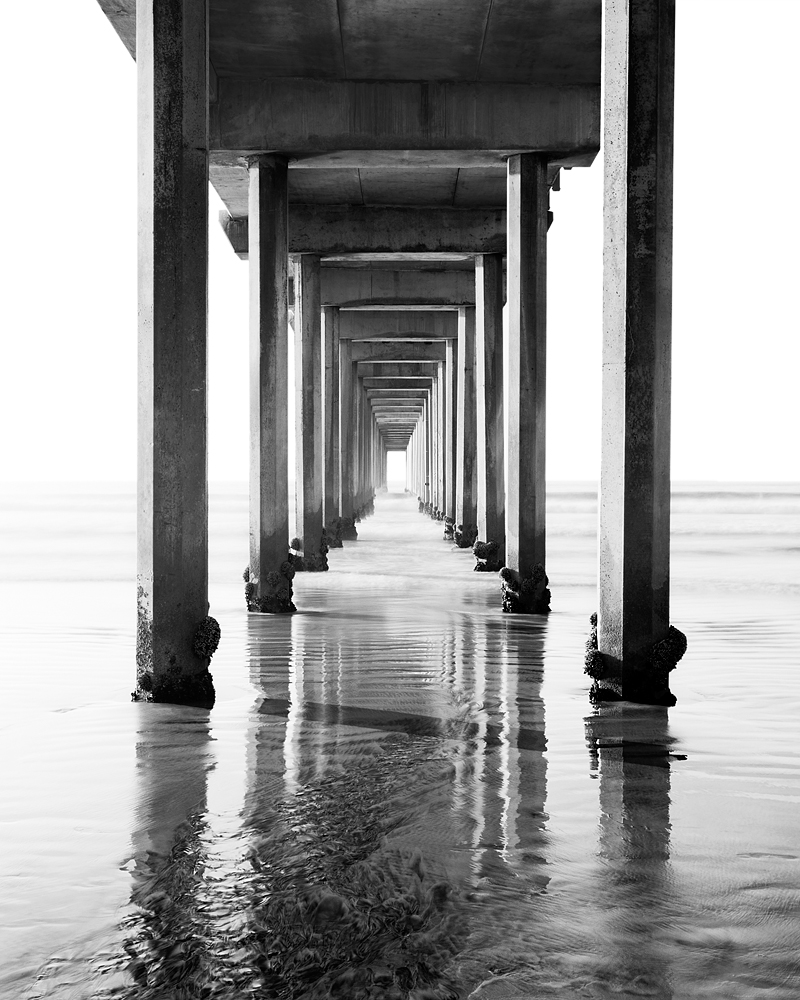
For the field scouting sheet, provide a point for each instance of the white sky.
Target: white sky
(68, 373)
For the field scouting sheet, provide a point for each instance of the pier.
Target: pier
(386, 173)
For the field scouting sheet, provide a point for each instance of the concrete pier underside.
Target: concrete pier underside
(400, 158)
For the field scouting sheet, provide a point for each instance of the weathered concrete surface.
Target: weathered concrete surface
(399, 351)
(535, 42)
(637, 336)
(489, 399)
(309, 434)
(269, 376)
(380, 325)
(466, 430)
(349, 229)
(396, 370)
(525, 362)
(538, 41)
(347, 416)
(403, 394)
(450, 399)
(347, 287)
(377, 177)
(314, 115)
(172, 523)
(330, 405)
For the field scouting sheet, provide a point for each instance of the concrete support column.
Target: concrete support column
(310, 438)
(466, 433)
(419, 450)
(362, 473)
(330, 405)
(434, 437)
(347, 412)
(426, 424)
(415, 460)
(636, 645)
(269, 586)
(175, 638)
(440, 437)
(358, 449)
(451, 393)
(491, 501)
(524, 578)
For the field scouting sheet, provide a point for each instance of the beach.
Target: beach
(399, 776)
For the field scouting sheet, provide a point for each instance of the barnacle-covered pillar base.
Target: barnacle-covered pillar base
(309, 559)
(646, 681)
(488, 557)
(525, 595)
(465, 535)
(348, 531)
(365, 510)
(333, 533)
(449, 529)
(174, 684)
(272, 595)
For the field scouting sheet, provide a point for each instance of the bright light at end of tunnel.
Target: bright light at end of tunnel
(396, 471)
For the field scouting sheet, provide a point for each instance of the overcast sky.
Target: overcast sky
(68, 377)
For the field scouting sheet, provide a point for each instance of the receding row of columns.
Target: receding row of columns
(479, 459)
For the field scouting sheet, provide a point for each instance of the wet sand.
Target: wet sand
(401, 790)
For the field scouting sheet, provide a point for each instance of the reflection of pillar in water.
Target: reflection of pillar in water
(509, 755)
(478, 796)
(522, 746)
(269, 651)
(292, 745)
(630, 745)
(493, 769)
(173, 758)
(460, 756)
(449, 656)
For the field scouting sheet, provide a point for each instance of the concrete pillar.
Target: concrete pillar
(347, 411)
(358, 449)
(310, 440)
(524, 578)
(491, 501)
(450, 393)
(435, 454)
(426, 437)
(466, 430)
(636, 644)
(175, 638)
(269, 587)
(440, 436)
(330, 393)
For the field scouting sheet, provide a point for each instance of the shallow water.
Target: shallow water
(400, 789)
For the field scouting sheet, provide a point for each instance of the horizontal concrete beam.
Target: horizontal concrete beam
(413, 369)
(380, 325)
(346, 286)
(304, 116)
(402, 408)
(366, 350)
(346, 229)
(392, 397)
(397, 383)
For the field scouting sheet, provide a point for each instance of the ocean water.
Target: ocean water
(401, 792)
